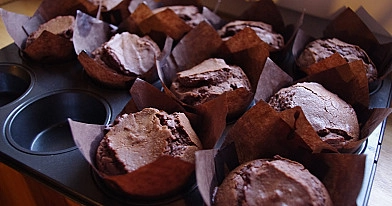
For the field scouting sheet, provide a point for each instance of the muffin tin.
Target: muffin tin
(48, 131)
(37, 99)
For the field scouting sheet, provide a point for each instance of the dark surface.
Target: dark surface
(35, 101)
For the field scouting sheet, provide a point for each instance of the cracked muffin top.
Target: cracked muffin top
(320, 49)
(334, 120)
(277, 181)
(138, 139)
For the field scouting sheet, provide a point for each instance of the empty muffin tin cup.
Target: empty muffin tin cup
(15, 80)
(41, 127)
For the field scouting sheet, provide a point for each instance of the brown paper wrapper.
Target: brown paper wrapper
(167, 175)
(90, 33)
(267, 11)
(50, 48)
(286, 133)
(341, 174)
(46, 48)
(203, 42)
(137, 184)
(208, 125)
(348, 27)
(348, 81)
(263, 132)
(271, 80)
(334, 60)
(104, 75)
(144, 21)
(166, 22)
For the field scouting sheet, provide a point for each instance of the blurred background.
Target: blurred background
(380, 10)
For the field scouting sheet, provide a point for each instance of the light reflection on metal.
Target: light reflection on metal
(217, 5)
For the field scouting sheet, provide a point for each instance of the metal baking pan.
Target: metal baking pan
(36, 100)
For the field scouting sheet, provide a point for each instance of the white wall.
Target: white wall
(380, 10)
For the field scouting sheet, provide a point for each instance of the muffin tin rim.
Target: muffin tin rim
(19, 108)
(31, 84)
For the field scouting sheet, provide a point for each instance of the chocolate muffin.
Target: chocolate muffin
(129, 54)
(320, 49)
(208, 80)
(334, 120)
(190, 14)
(138, 139)
(264, 32)
(277, 181)
(61, 25)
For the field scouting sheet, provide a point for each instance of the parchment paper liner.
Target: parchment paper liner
(203, 42)
(348, 27)
(48, 47)
(347, 80)
(267, 11)
(341, 174)
(211, 16)
(90, 33)
(144, 21)
(166, 175)
(158, 25)
(263, 132)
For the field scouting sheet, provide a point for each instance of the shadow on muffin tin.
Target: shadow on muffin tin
(188, 195)
(27, 60)
(15, 82)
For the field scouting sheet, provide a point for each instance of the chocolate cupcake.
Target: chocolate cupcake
(264, 32)
(140, 138)
(320, 49)
(210, 79)
(130, 55)
(52, 41)
(62, 26)
(334, 120)
(277, 181)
